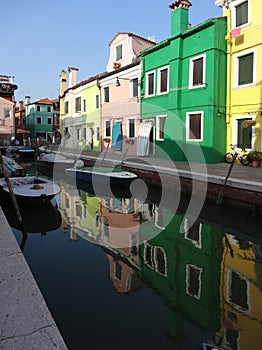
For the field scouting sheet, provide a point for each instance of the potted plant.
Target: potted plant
(255, 158)
(247, 123)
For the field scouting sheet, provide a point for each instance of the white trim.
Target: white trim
(159, 80)
(233, 6)
(187, 126)
(190, 85)
(236, 68)
(147, 85)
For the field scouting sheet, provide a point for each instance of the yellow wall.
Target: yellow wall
(245, 101)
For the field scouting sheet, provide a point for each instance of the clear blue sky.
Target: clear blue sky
(41, 38)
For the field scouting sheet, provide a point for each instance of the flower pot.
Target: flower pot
(256, 162)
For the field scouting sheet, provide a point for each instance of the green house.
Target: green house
(39, 119)
(183, 95)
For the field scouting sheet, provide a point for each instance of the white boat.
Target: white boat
(101, 175)
(30, 190)
(49, 162)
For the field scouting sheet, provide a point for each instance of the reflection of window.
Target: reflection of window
(118, 271)
(232, 338)
(160, 258)
(150, 83)
(194, 126)
(193, 281)
(238, 290)
(160, 124)
(78, 210)
(244, 69)
(163, 80)
(193, 232)
(148, 255)
(197, 72)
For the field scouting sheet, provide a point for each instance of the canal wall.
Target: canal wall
(25, 320)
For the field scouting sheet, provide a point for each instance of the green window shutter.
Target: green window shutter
(242, 14)
(245, 69)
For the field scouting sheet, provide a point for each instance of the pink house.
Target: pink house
(120, 93)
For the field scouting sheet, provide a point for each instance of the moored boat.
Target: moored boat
(27, 152)
(47, 163)
(101, 175)
(12, 168)
(30, 190)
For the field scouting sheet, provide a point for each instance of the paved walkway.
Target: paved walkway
(25, 321)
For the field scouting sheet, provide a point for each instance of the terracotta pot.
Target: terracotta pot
(256, 162)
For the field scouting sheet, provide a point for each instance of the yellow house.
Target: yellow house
(244, 73)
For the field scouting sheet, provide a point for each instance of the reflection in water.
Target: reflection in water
(209, 278)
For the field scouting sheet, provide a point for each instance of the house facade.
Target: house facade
(7, 104)
(39, 118)
(120, 92)
(184, 91)
(244, 73)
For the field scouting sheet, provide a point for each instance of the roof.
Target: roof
(44, 101)
(133, 35)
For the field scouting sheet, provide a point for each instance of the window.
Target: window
(66, 107)
(2, 122)
(245, 72)
(150, 84)
(38, 120)
(193, 281)
(96, 101)
(38, 108)
(78, 134)
(240, 13)
(97, 133)
(134, 87)
(84, 105)
(84, 134)
(106, 94)
(7, 113)
(119, 53)
(243, 137)
(160, 124)
(48, 109)
(107, 128)
(78, 104)
(49, 121)
(131, 128)
(163, 80)
(197, 72)
(194, 126)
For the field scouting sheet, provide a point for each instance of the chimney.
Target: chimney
(27, 100)
(179, 16)
(21, 105)
(62, 82)
(72, 76)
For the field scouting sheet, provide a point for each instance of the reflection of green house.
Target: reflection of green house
(39, 118)
(183, 93)
(184, 269)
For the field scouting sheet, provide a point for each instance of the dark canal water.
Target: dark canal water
(119, 274)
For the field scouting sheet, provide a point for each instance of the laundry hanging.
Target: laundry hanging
(143, 138)
(117, 137)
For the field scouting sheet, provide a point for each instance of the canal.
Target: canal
(120, 273)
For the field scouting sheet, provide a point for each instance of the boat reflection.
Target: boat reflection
(209, 275)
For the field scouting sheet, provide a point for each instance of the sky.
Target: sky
(40, 38)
